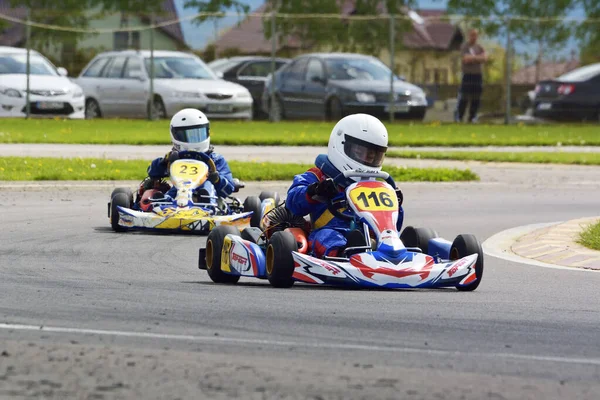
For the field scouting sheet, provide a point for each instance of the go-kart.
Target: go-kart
(417, 258)
(193, 209)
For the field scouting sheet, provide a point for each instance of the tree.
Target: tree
(589, 33)
(529, 25)
(215, 6)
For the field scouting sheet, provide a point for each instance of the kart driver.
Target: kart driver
(190, 131)
(357, 142)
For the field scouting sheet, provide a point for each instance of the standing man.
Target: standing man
(473, 57)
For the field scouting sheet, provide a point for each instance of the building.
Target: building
(547, 70)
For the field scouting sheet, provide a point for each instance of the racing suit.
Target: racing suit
(328, 235)
(222, 187)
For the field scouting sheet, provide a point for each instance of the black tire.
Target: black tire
(214, 245)
(253, 203)
(127, 191)
(334, 110)
(92, 109)
(276, 112)
(119, 199)
(463, 246)
(269, 195)
(418, 237)
(280, 262)
(158, 109)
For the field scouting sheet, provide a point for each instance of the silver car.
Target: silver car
(117, 84)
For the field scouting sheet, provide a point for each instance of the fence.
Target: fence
(424, 49)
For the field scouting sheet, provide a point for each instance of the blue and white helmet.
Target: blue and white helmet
(190, 131)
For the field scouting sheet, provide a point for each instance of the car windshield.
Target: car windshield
(222, 65)
(17, 64)
(179, 68)
(345, 69)
(581, 74)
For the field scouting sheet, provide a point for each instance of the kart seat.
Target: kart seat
(251, 234)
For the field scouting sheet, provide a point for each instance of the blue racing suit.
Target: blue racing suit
(328, 235)
(224, 187)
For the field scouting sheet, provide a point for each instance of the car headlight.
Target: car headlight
(243, 95)
(187, 95)
(365, 97)
(419, 98)
(77, 93)
(10, 92)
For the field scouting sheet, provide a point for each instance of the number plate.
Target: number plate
(188, 172)
(220, 108)
(380, 198)
(403, 108)
(49, 105)
(544, 106)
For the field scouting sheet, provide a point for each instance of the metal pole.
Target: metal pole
(273, 53)
(508, 72)
(151, 107)
(392, 56)
(28, 64)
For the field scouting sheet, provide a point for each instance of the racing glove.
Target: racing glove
(400, 197)
(214, 177)
(326, 189)
(170, 157)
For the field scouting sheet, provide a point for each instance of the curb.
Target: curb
(556, 244)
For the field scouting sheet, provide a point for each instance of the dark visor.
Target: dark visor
(191, 134)
(364, 152)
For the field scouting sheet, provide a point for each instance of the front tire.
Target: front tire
(253, 203)
(465, 245)
(119, 199)
(418, 237)
(280, 261)
(127, 191)
(214, 247)
(92, 109)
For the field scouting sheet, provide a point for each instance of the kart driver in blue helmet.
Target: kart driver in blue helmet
(358, 141)
(190, 132)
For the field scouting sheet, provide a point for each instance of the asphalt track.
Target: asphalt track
(131, 316)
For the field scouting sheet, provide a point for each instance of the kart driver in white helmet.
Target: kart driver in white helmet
(358, 141)
(190, 132)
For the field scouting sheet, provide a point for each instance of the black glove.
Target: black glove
(400, 196)
(171, 156)
(214, 177)
(326, 188)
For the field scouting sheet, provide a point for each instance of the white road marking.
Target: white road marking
(279, 343)
(499, 246)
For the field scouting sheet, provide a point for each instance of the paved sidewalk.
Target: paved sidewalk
(557, 245)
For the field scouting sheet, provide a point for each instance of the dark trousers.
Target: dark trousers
(470, 91)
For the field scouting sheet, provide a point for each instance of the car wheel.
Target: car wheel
(465, 245)
(269, 195)
(92, 109)
(253, 203)
(418, 237)
(214, 247)
(276, 110)
(280, 261)
(119, 199)
(127, 191)
(334, 110)
(158, 109)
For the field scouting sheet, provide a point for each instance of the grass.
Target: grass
(44, 169)
(590, 236)
(114, 131)
(511, 157)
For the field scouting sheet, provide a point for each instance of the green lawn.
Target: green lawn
(43, 169)
(291, 133)
(590, 237)
(513, 157)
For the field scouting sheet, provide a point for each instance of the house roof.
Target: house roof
(433, 33)
(548, 70)
(14, 34)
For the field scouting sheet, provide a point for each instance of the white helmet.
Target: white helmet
(190, 130)
(358, 141)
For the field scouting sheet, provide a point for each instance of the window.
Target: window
(95, 70)
(261, 68)
(120, 40)
(115, 70)
(135, 40)
(133, 68)
(369, 69)
(296, 70)
(17, 64)
(179, 68)
(314, 70)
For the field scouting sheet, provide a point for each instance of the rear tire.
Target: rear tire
(465, 245)
(276, 113)
(280, 262)
(269, 195)
(253, 203)
(214, 246)
(418, 237)
(119, 199)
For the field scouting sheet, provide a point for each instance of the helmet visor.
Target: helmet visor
(191, 134)
(366, 153)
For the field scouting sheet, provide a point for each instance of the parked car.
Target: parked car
(333, 85)
(250, 72)
(51, 93)
(116, 84)
(572, 96)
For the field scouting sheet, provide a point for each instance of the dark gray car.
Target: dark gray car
(330, 86)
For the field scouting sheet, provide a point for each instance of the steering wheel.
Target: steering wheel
(195, 155)
(334, 204)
